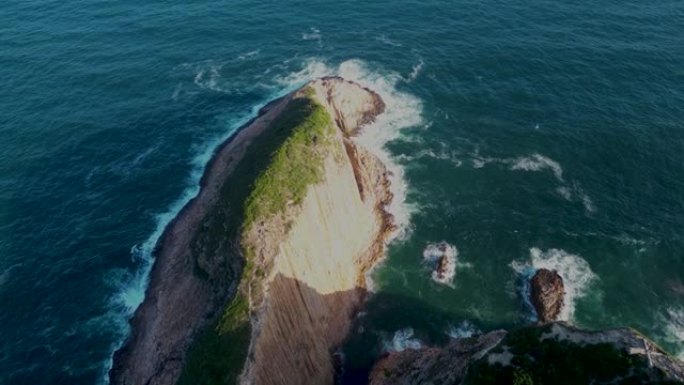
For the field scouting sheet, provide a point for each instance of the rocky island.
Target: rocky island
(258, 279)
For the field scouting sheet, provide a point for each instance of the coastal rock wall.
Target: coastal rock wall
(178, 301)
(316, 279)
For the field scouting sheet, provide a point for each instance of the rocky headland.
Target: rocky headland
(259, 276)
(258, 279)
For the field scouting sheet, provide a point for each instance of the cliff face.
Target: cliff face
(336, 234)
(287, 222)
(191, 278)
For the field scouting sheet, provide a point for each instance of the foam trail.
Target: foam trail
(387, 40)
(433, 255)
(415, 71)
(403, 339)
(538, 162)
(575, 271)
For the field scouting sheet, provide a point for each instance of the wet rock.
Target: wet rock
(547, 293)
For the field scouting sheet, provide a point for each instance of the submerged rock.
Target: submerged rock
(547, 293)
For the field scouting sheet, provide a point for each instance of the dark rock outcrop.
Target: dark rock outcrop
(623, 355)
(434, 365)
(547, 293)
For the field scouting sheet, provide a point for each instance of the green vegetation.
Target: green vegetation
(295, 165)
(275, 171)
(561, 362)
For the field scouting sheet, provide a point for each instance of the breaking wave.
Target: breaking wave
(575, 271)
(537, 162)
(441, 258)
(403, 339)
(463, 330)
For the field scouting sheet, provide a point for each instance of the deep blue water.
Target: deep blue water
(531, 134)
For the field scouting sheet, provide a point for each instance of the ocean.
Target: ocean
(520, 135)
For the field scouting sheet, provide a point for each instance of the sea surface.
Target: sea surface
(521, 135)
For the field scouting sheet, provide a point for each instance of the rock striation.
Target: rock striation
(315, 276)
(298, 271)
(547, 292)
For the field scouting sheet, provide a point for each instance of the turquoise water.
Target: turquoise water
(535, 134)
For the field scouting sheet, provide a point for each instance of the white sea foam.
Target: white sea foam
(538, 162)
(674, 329)
(587, 202)
(575, 271)
(313, 34)
(433, 253)
(565, 192)
(208, 77)
(403, 339)
(415, 71)
(403, 110)
(387, 40)
(463, 330)
(249, 54)
(576, 193)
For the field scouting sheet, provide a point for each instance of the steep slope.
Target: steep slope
(264, 269)
(335, 236)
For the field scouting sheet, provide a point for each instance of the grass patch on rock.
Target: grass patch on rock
(274, 173)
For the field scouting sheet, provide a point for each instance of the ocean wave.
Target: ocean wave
(576, 193)
(207, 78)
(463, 330)
(384, 39)
(435, 254)
(313, 34)
(674, 329)
(538, 162)
(415, 71)
(575, 271)
(401, 340)
(249, 54)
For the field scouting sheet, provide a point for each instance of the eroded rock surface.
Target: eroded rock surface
(547, 293)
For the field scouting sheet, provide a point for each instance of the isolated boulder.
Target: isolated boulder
(547, 293)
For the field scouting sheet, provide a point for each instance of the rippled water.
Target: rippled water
(534, 134)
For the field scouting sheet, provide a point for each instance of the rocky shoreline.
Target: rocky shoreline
(194, 276)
